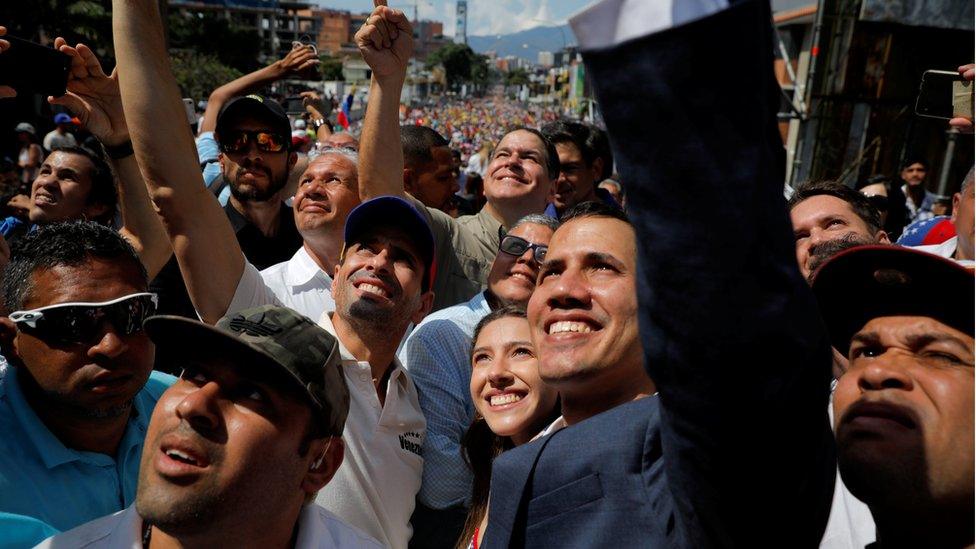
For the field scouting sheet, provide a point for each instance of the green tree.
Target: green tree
(88, 21)
(517, 77)
(458, 61)
(331, 68)
(199, 74)
(233, 45)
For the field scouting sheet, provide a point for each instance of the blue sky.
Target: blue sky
(485, 17)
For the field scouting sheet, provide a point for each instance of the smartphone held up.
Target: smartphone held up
(944, 95)
(32, 68)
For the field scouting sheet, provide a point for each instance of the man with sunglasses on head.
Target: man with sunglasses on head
(437, 355)
(75, 405)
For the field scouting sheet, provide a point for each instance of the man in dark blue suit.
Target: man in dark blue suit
(735, 449)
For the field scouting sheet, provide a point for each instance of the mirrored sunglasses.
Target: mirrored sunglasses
(82, 322)
(235, 141)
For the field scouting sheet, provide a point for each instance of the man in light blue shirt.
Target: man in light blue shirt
(76, 399)
(437, 355)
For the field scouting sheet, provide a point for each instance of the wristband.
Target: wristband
(119, 152)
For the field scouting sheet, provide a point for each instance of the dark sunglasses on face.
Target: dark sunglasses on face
(81, 322)
(236, 141)
(513, 245)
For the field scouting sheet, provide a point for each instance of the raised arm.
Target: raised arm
(298, 60)
(386, 42)
(731, 332)
(94, 98)
(201, 235)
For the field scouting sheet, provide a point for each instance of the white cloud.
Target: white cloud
(486, 17)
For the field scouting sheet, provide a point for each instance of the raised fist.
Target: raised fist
(386, 41)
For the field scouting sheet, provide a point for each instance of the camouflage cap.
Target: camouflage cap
(274, 336)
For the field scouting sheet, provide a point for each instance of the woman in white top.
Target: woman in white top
(30, 156)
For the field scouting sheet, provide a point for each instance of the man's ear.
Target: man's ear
(326, 456)
(426, 304)
(292, 159)
(956, 199)
(8, 340)
(882, 237)
(409, 176)
(597, 169)
(332, 287)
(95, 210)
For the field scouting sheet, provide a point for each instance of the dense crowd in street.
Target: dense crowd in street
(475, 323)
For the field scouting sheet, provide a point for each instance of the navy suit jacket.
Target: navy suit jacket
(735, 450)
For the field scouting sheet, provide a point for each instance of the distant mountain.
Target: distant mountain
(525, 44)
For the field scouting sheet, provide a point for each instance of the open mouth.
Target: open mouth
(42, 199)
(373, 289)
(570, 327)
(520, 275)
(505, 399)
(182, 457)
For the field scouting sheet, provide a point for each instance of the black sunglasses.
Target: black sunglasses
(235, 141)
(81, 322)
(513, 245)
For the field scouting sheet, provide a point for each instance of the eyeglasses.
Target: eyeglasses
(513, 245)
(235, 141)
(81, 322)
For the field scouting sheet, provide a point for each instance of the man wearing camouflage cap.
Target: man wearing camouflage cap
(239, 446)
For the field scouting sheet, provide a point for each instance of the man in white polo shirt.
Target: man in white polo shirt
(381, 285)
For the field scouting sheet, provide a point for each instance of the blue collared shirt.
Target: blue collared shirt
(437, 355)
(40, 477)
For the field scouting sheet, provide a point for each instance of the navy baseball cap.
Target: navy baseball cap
(258, 107)
(868, 282)
(386, 211)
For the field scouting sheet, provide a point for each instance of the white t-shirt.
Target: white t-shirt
(317, 528)
(377, 483)
(298, 284)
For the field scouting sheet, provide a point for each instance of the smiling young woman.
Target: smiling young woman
(513, 404)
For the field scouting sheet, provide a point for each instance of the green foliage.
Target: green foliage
(231, 44)
(88, 21)
(461, 64)
(517, 77)
(331, 68)
(199, 74)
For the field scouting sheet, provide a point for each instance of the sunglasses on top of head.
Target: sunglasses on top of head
(513, 245)
(235, 141)
(81, 323)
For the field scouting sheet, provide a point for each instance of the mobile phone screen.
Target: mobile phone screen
(935, 94)
(32, 68)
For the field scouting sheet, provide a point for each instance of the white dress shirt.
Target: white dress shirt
(376, 485)
(298, 284)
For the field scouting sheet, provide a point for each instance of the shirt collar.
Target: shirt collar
(50, 449)
(237, 221)
(325, 322)
(302, 269)
(489, 225)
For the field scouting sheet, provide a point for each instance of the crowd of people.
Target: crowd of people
(260, 331)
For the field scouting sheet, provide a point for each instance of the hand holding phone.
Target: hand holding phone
(962, 123)
(29, 67)
(5, 91)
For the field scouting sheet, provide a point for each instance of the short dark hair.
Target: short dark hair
(858, 202)
(103, 190)
(593, 209)
(68, 243)
(516, 311)
(592, 142)
(914, 160)
(417, 143)
(552, 157)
